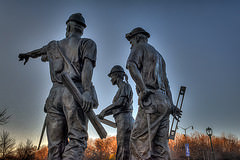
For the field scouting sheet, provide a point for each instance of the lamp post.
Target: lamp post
(185, 131)
(209, 132)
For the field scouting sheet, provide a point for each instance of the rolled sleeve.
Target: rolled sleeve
(89, 50)
(136, 56)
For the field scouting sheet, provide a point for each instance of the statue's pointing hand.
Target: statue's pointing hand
(24, 57)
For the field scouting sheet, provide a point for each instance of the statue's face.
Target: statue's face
(133, 41)
(114, 79)
(67, 30)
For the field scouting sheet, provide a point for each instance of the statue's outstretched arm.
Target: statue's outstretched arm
(106, 112)
(33, 54)
(109, 110)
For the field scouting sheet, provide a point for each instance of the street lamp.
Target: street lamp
(187, 145)
(209, 132)
(185, 131)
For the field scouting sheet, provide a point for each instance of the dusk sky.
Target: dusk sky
(199, 40)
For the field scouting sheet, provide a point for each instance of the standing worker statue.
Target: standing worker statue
(149, 137)
(121, 108)
(66, 121)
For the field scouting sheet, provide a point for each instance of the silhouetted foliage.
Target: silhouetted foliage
(7, 144)
(41, 154)
(25, 151)
(225, 148)
(101, 149)
(4, 117)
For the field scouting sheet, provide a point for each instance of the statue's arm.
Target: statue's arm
(107, 111)
(120, 102)
(88, 49)
(136, 76)
(37, 53)
(87, 74)
(32, 54)
(86, 77)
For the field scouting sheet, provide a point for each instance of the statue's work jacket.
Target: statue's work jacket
(124, 120)
(152, 68)
(66, 122)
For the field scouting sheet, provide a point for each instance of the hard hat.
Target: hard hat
(116, 68)
(137, 31)
(78, 18)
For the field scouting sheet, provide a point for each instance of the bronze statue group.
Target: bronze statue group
(67, 118)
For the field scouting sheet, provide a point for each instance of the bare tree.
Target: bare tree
(6, 144)
(4, 117)
(25, 151)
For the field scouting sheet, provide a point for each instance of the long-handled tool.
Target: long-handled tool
(108, 122)
(67, 81)
(42, 133)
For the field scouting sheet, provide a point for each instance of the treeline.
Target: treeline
(101, 149)
(23, 151)
(225, 148)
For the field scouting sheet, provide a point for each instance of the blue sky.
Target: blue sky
(199, 41)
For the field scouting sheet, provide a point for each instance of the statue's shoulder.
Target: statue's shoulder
(50, 46)
(87, 44)
(52, 43)
(87, 41)
(127, 86)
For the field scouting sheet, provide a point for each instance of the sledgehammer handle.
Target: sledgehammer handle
(67, 81)
(41, 137)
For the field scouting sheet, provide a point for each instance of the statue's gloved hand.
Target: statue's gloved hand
(143, 96)
(176, 112)
(87, 101)
(24, 57)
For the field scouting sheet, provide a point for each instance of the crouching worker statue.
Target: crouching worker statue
(121, 109)
(149, 137)
(66, 121)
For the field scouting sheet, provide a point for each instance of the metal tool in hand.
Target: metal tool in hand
(175, 121)
(67, 81)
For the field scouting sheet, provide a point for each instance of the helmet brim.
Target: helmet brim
(131, 34)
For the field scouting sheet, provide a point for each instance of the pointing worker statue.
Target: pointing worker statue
(66, 121)
(149, 137)
(121, 109)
